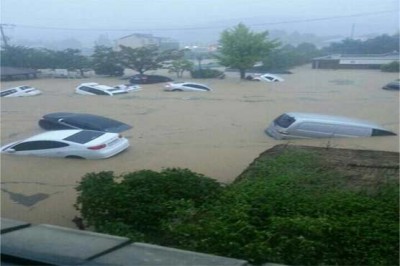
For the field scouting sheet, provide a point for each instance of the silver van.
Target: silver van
(308, 125)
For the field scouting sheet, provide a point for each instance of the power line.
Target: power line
(207, 27)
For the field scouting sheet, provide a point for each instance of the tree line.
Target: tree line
(239, 48)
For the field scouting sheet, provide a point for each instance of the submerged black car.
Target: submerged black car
(148, 79)
(392, 86)
(59, 121)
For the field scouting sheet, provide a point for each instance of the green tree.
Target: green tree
(241, 48)
(181, 65)
(145, 58)
(378, 45)
(105, 61)
(289, 56)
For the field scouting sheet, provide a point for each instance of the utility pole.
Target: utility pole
(3, 35)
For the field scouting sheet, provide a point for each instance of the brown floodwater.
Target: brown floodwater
(217, 134)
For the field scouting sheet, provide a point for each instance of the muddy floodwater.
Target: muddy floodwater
(216, 133)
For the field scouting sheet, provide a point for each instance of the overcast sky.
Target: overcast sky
(85, 20)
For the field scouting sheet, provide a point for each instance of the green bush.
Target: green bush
(207, 73)
(291, 209)
(298, 215)
(391, 67)
(136, 204)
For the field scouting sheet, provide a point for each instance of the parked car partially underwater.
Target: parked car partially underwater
(20, 91)
(186, 86)
(65, 120)
(97, 89)
(148, 79)
(78, 144)
(392, 86)
(128, 87)
(264, 77)
(309, 125)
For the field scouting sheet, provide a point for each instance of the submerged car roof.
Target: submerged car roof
(90, 121)
(54, 135)
(333, 119)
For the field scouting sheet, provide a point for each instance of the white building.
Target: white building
(137, 40)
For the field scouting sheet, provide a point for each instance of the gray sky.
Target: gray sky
(188, 20)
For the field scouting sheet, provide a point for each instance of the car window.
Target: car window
(85, 136)
(284, 120)
(8, 92)
(39, 145)
(98, 92)
(84, 88)
(25, 87)
(381, 132)
(196, 86)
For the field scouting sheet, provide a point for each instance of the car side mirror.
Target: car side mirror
(11, 150)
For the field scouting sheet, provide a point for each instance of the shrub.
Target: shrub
(297, 215)
(207, 73)
(291, 209)
(391, 67)
(136, 204)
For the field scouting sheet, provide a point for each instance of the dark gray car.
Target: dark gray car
(64, 120)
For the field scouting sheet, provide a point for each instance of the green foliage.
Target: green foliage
(105, 61)
(391, 67)
(179, 66)
(291, 210)
(241, 48)
(19, 56)
(289, 56)
(207, 73)
(145, 58)
(137, 204)
(378, 45)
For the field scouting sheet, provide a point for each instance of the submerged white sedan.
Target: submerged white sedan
(78, 144)
(265, 77)
(185, 86)
(20, 91)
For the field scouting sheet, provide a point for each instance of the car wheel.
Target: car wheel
(74, 157)
(177, 90)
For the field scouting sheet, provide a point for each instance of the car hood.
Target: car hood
(88, 121)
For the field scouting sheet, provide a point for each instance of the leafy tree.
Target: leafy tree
(290, 56)
(378, 45)
(179, 66)
(71, 59)
(391, 67)
(105, 61)
(20, 56)
(241, 48)
(145, 58)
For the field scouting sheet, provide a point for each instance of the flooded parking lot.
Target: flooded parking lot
(215, 133)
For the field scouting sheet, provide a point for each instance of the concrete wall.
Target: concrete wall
(26, 244)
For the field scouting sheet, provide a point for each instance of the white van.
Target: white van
(308, 125)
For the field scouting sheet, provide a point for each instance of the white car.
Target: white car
(185, 86)
(268, 78)
(97, 89)
(128, 87)
(70, 143)
(20, 91)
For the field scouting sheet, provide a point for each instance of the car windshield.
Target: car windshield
(284, 121)
(84, 136)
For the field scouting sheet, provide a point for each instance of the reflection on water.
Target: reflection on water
(218, 134)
